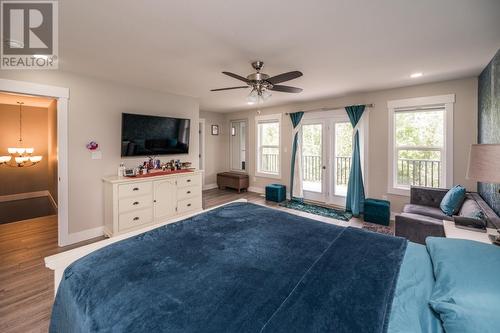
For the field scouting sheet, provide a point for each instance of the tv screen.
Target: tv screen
(151, 135)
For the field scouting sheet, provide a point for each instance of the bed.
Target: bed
(247, 268)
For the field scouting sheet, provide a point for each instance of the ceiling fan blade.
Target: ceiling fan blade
(287, 89)
(236, 76)
(284, 77)
(240, 87)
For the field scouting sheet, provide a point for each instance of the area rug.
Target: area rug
(381, 229)
(317, 210)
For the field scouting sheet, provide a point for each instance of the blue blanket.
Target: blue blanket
(240, 268)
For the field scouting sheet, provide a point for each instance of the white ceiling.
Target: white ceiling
(341, 46)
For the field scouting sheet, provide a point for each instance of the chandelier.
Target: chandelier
(20, 156)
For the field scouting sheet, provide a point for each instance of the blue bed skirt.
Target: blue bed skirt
(239, 268)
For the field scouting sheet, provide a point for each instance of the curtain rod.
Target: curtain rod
(333, 108)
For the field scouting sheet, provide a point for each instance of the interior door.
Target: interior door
(314, 170)
(165, 198)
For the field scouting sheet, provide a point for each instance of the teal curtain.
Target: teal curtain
(355, 199)
(295, 117)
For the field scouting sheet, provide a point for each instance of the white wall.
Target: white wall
(465, 129)
(95, 108)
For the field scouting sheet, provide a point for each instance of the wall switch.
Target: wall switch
(97, 155)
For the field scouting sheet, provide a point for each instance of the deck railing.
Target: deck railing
(410, 171)
(419, 172)
(269, 163)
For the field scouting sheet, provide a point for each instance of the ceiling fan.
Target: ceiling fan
(261, 83)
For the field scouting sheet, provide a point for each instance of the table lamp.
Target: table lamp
(484, 166)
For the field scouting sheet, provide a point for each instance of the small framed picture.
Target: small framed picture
(215, 129)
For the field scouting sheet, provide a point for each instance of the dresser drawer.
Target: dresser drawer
(133, 203)
(135, 218)
(189, 204)
(188, 192)
(193, 180)
(134, 189)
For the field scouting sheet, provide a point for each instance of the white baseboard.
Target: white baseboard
(209, 187)
(21, 196)
(84, 235)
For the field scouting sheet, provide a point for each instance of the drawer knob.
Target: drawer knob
(188, 192)
(136, 218)
(135, 203)
(189, 180)
(135, 189)
(189, 205)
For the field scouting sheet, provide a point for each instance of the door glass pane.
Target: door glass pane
(312, 147)
(343, 154)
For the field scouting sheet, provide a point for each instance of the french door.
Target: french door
(326, 158)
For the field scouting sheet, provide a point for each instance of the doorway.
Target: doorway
(201, 145)
(326, 157)
(28, 157)
(61, 95)
(238, 145)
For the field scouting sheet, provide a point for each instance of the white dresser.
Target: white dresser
(133, 203)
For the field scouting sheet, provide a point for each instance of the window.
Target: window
(420, 142)
(268, 145)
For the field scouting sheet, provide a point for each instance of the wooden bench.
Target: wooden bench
(237, 181)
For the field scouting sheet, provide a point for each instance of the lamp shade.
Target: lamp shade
(484, 163)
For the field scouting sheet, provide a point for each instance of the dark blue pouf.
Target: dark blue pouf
(276, 192)
(377, 211)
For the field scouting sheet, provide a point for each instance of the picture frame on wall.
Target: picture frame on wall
(215, 129)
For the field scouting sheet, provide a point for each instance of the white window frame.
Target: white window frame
(265, 119)
(419, 104)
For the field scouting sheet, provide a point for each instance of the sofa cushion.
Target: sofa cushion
(453, 200)
(432, 212)
(470, 208)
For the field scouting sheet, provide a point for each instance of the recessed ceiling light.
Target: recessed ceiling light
(414, 75)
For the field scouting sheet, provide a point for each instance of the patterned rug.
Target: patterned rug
(317, 210)
(381, 229)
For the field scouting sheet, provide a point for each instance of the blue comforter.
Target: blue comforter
(239, 268)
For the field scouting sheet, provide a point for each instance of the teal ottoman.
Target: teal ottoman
(276, 192)
(377, 211)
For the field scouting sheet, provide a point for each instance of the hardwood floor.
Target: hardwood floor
(27, 287)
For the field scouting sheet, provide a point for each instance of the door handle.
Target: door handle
(188, 192)
(189, 205)
(189, 180)
(135, 189)
(135, 203)
(136, 218)
(323, 167)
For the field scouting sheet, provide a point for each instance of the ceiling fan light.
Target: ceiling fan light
(266, 94)
(253, 97)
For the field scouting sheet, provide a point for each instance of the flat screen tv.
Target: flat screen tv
(144, 135)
